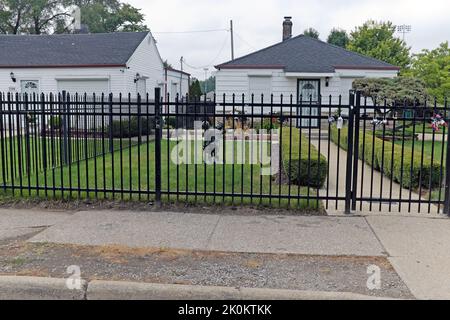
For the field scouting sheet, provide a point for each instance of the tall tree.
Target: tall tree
(195, 90)
(12, 15)
(311, 32)
(102, 16)
(45, 16)
(433, 67)
(377, 40)
(338, 37)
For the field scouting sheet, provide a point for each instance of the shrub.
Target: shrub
(130, 127)
(406, 170)
(305, 168)
(55, 122)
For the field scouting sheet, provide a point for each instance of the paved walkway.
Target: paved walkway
(418, 248)
(381, 187)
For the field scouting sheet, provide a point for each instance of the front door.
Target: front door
(308, 97)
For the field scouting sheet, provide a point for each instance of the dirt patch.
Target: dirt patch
(82, 205)
(160, 265)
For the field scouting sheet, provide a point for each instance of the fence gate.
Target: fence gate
(398, 156)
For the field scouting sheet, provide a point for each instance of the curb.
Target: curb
(35, 288)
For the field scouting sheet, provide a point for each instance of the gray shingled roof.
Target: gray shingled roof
(68, 49)
(305, 54)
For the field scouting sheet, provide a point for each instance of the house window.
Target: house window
(29, 86)
(259, 86)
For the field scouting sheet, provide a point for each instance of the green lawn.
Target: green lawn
(27, 153)
(131, 174)
(427, 149)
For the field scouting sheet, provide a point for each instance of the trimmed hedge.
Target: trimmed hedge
(130, 127)
(412, 175)
(297, 165)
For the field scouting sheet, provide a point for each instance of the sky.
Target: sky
(258, 24)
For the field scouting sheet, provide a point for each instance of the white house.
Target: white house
(300, 66)
(81, 63)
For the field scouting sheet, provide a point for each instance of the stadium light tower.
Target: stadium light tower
(404, 29)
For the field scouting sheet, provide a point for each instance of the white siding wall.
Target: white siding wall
(147, 62)
(237, 81)
(174, 79)
(48, 77)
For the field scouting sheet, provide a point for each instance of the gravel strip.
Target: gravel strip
(295, 272)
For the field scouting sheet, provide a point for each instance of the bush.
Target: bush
(55, 122)
(298, 165)
(130, 127)
(412, 176)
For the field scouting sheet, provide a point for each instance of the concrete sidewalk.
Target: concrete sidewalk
(256, 234)
(417, 247)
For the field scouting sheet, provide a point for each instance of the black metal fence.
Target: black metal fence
(271, 151)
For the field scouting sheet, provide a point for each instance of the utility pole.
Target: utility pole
(181, 77)
(232, 39)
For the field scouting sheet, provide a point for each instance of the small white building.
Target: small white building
(303, 67)
(127, 62)
(177, 83)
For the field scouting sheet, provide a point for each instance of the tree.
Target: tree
(377, 40)
(167, 65)
(195, 89)
(433, 67)
(399, 89)
(311, 32)
(338, 37)
(103, 16)
(32, 16)
(210, 84)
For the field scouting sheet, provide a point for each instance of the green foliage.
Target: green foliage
(338, 37)
(398, 89)
(377, 40)
(311, 32)
(33, 16)
(305, 168)
(269, 124)
(55, 122)
(210, 84)
(195, 89)
(110, 16)
(54, 16)
(433, 68)
(130, 128)
(402, 170)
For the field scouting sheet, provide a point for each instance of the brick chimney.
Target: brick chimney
(287, 28)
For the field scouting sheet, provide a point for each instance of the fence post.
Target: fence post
(111, 138)
(65, 128)
(447, 168)
(158, 137)
(357, 116)
(43, 132)
(348, 180)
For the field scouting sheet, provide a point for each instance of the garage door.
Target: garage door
(84, 86)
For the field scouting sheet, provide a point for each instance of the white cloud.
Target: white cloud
(258, 23)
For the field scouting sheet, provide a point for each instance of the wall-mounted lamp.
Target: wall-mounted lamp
(13, 77)
(137, 77)
(327, 81)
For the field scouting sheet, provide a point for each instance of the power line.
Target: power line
(242, 39)
(192, 31)
(212, 61)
